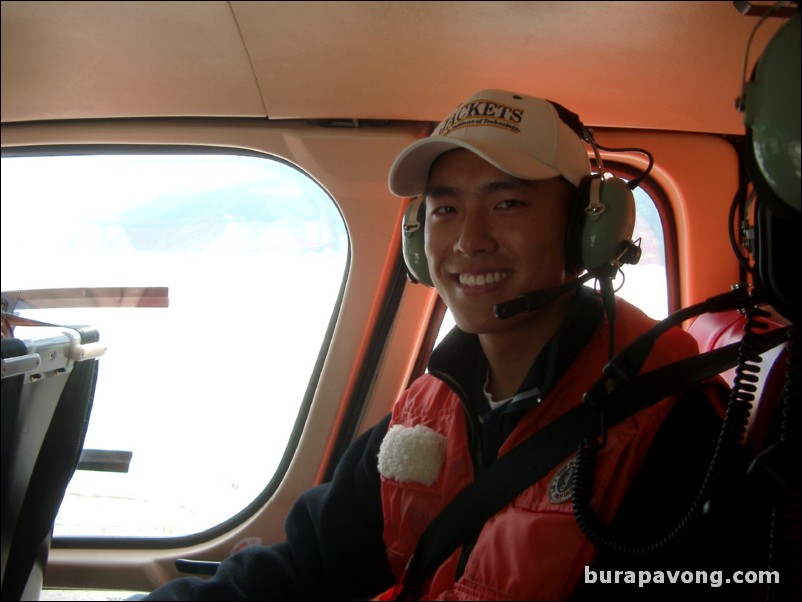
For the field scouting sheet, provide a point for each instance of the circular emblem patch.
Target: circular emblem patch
(560, 488)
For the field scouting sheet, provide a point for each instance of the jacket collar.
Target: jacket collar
(460, 360)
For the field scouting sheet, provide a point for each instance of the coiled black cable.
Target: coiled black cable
(725, 454)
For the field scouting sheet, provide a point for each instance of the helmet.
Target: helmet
(772, 119)
(772, 157)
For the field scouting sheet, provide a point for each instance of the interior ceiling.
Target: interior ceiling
(655, 65)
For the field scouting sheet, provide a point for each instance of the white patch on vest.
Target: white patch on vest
(412, 454)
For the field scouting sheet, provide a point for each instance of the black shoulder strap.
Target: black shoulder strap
(533, 459)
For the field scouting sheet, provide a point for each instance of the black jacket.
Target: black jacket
(334, 547)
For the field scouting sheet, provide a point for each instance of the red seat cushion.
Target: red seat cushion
(716, 330)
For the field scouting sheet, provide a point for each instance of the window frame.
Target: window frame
(258, 503)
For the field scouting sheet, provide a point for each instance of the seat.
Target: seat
(48, 385)
(772, 478)
(716, 330)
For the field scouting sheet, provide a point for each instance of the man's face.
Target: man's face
(490, 237)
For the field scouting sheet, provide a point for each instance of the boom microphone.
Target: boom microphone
(537, 299)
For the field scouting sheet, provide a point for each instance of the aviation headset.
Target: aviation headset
(600, 224)
(770, 102)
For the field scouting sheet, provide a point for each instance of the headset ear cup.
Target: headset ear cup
(606, 231)
(412, 242)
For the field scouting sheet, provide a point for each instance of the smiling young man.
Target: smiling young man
(489, 237)
(499, 180)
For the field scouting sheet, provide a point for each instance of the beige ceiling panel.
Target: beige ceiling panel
(653, 65)
(416, 60)
(138, 59)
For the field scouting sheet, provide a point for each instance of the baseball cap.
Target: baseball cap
(521, 135)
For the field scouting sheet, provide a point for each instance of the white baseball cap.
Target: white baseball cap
(521, 135)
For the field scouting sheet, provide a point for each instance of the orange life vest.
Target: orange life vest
(532, 549)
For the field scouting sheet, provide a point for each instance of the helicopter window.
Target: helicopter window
(224, 374)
